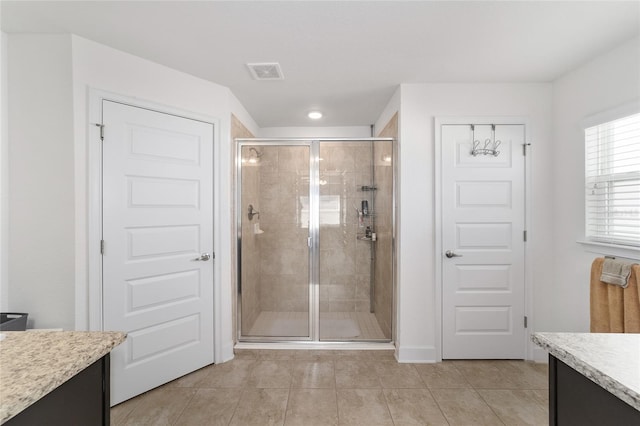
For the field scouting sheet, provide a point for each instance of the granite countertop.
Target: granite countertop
(609, 359)
(32, 364)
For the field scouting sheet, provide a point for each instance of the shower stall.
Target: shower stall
(315, 229)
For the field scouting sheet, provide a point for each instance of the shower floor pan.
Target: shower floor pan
(333, 325)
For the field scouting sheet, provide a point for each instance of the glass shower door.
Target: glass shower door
(355, 233)
(273, 222)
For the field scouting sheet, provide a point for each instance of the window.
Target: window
(612, 167)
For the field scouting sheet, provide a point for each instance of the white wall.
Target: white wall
(41, 179)
(315, 132)
(419, 105)
(100, 67)
(50, 77)
(4, 175)
(605, 82)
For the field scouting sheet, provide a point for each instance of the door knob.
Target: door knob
(450, 254)
(204, 257)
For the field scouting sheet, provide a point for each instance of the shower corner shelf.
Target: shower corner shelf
(363, 238)
(368, 188)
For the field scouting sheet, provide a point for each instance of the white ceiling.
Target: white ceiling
(345, 58)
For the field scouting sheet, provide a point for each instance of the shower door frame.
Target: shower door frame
(313, 239)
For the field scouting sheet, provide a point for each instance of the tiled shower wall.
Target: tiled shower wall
(345, 261)
(275, 262)
(251, 250)
(251, 247)
(383, 271)
(284, 264)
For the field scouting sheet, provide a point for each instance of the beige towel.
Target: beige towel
(615, 272)
(614, 309)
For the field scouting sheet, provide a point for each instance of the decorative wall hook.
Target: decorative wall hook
(490, 146)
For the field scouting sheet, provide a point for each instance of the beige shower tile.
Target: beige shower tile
(313, 374)
(362, 154)
(341, 261)
(336, 156)
(293, 158)
(310, 407)
(441, 375)
(270, 374)
(464, 407)
(515, 407)
(363, 286)
(210, 407)
(268, 160)
(395, 375)
(161, 406)
(355, 374)
(362, 306)
(342, 291)
(342, 306)
(231, 374)
(413, 407)
(261, 407)
(363, 407)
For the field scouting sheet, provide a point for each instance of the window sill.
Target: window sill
(615, 250)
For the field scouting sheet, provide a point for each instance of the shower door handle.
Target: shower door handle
(450, 254)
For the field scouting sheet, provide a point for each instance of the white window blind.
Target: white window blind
(613, 181)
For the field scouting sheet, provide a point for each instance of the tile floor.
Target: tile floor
(286, 387)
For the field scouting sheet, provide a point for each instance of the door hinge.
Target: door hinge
(525, 322)
(101, 130)
(524, 236)
(101, 246)
(524, 148)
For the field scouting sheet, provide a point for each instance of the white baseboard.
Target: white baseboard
(225, 354)
(416, 354)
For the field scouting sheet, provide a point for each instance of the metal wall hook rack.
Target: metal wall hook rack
(490, 146)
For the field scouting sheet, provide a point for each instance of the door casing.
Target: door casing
(92, 293)
(528, 303)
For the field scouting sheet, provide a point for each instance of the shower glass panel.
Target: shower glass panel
(273, 222)
(315, 221)
(355, 240)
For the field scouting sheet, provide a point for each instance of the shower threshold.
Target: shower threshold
(339, 326)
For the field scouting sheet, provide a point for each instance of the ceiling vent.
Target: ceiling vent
(266, 71)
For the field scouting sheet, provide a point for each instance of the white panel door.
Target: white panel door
(157, 220)
(483, 200)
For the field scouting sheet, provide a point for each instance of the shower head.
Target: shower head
(258, 153)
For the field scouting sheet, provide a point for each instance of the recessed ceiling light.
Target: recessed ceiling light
(315, 115)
